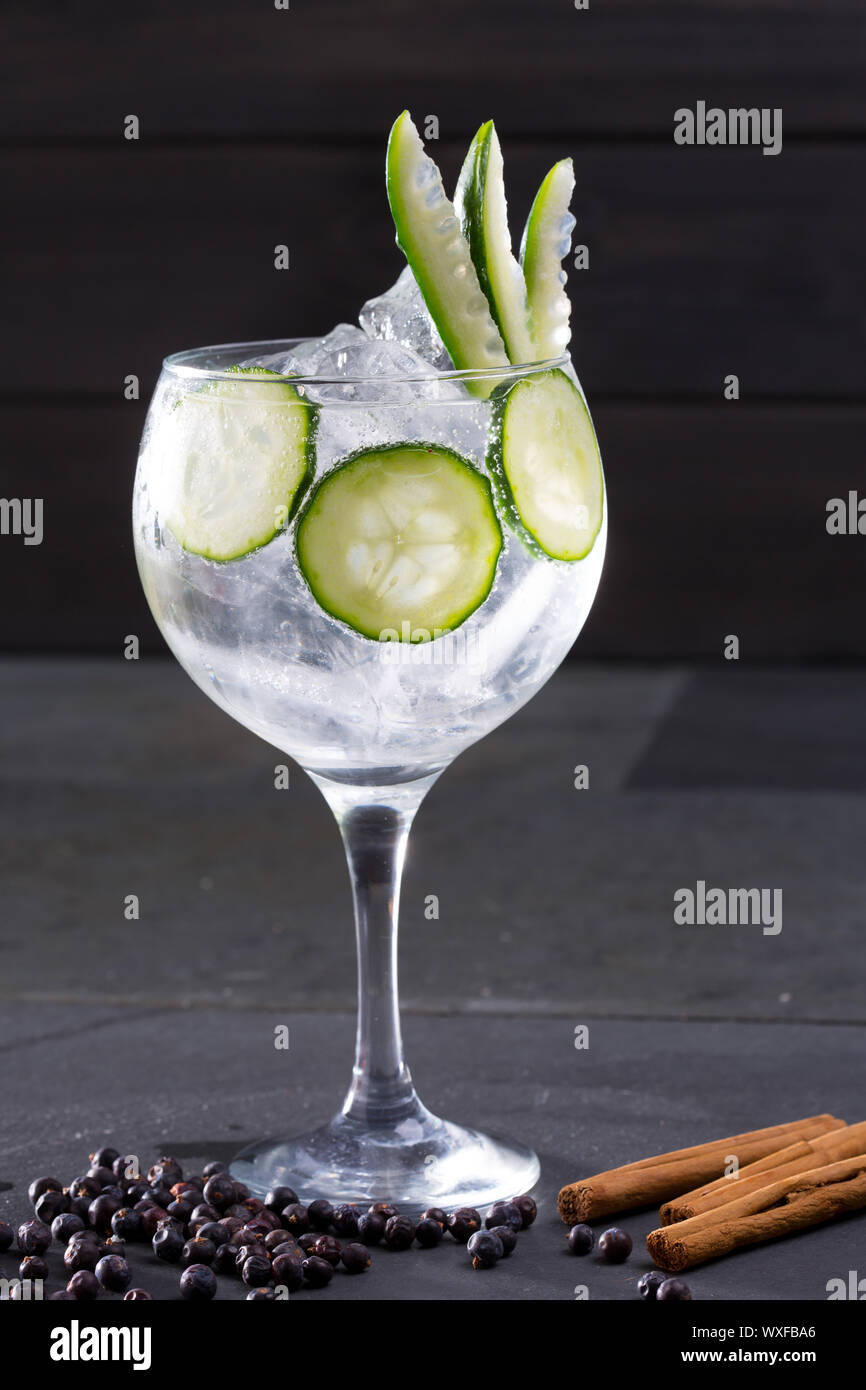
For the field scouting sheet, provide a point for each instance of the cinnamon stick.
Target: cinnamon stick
(796, 1158)
(792, 1204)
(663, 1176)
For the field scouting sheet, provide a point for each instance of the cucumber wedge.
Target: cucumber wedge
(546, 242)
(428, 233)
(238, 464)
(400, 542)
(543, 455)
(483, 212)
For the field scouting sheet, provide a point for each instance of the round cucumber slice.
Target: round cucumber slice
(544, 456)
(237, 463)
(428, 232)
(545, 244)
(483, 212)
(400, 542)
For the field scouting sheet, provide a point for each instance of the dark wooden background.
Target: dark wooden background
(261, 126)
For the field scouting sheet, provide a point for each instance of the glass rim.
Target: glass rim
(182, 365)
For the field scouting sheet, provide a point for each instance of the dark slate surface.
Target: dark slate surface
(771, 728)
(556, 909)
(123, 778)
(108, 1075)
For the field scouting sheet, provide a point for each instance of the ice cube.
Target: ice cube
(371, 371)
(389, 360)
(400, 316)
(315, 356)
(380, 391)
(347, 352)
(332, 355)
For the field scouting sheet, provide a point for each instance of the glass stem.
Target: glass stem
(374, 836)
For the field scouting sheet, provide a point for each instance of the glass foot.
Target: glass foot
(419, 1162)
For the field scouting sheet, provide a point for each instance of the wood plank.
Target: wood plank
(717, 526)
(718, 521)
(79, 589)
(215, 67)
(701, 262)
